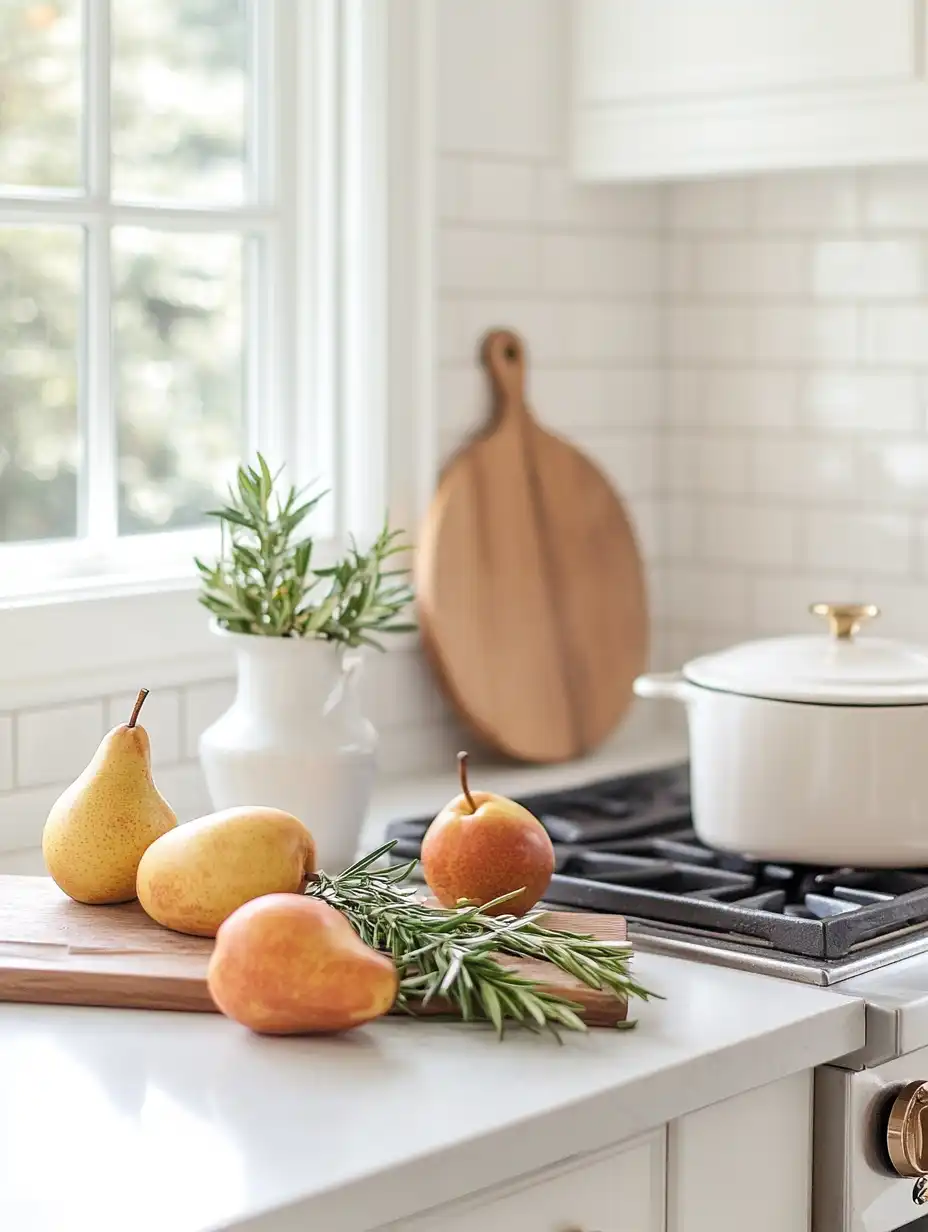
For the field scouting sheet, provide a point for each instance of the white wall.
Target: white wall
(576, 269)
(795, 453)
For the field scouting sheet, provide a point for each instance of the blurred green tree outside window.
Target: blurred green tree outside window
(178, 140)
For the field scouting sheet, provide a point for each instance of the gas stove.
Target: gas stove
(627, 845)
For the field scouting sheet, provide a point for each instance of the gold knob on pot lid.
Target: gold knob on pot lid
(844, 619)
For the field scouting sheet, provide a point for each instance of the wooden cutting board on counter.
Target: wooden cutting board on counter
(57, 952)
(529, 582)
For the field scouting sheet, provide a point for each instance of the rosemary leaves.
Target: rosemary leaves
(265, 581)
(451, 954)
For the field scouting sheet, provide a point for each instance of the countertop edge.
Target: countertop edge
(607, 1117)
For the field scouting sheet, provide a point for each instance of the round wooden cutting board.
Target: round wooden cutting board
(530, 587)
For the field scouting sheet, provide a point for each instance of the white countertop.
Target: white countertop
(112, 1119)
(186, 1122)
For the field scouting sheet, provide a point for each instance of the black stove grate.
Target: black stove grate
(627, 845)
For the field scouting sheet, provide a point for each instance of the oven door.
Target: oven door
(870, 1143)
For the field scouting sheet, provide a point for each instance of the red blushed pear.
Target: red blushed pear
(482, 846)
(284, 964)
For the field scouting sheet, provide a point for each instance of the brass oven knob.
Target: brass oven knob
(907, 1131)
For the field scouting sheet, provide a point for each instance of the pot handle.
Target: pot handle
(664, 684)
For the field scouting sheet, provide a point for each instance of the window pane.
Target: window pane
(40, 93)
(40, 272)
(177, 322)
(179, 89)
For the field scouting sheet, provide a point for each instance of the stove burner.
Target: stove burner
(627, 845)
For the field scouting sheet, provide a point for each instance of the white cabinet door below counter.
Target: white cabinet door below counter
(617, 1190)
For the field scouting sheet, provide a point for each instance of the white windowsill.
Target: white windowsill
(83, 631)
(91, 640)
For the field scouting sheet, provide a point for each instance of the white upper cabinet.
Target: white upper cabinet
(674, 88)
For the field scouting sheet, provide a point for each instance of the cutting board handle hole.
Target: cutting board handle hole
(503, 356)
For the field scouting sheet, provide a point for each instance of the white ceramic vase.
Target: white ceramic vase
(294, 739)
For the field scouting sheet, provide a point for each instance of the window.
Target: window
(216, 230)
(147, 232)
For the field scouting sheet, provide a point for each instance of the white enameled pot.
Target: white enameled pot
(809, 749)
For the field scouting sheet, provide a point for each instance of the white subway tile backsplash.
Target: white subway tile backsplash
(894, 473)
(706, 598)
(710, 205)
(679, 258)
(678, 528)
(780, 603)
(501, 191)
(487, 261)
(462, 397)
(798, 334)
(846, 540)
(731, 398)
(868, 269)
(805, 469)
(55, 745)
(452, 190)
(758, 398)
(396, 688)
(609, 265)
(6, 752)
(903, 612)
(160, 717)
(754, 268)
(857, 400)
(895, 334)
(463, 322)
(753, 536)
(709, 332)
(920, 552)
(596, 332)
(703, 463)
(628, 458)
(894, 198)
(806, 201)
(449, 332)
(645, 514)
(202, 705)
(567, 204)
(569, 399)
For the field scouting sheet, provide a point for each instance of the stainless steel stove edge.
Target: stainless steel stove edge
(894, 988)
(896, 998)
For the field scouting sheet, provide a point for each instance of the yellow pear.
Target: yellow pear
(194, 877)
(100, 826)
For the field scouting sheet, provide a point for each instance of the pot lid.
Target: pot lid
(838, 668)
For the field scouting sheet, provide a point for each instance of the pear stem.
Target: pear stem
(462, 772)
(139, 703)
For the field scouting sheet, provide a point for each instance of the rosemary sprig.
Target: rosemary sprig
(451, 954)
(265, 581)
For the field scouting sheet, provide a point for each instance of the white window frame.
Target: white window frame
(354, 403)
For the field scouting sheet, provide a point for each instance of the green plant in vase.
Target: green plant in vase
(265, 582)
(294, 737)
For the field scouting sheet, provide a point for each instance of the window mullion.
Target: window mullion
(262, 255)
(310, 216)
(98, 504)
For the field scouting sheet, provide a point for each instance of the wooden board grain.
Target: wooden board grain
(529, 582)
(57, 952)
